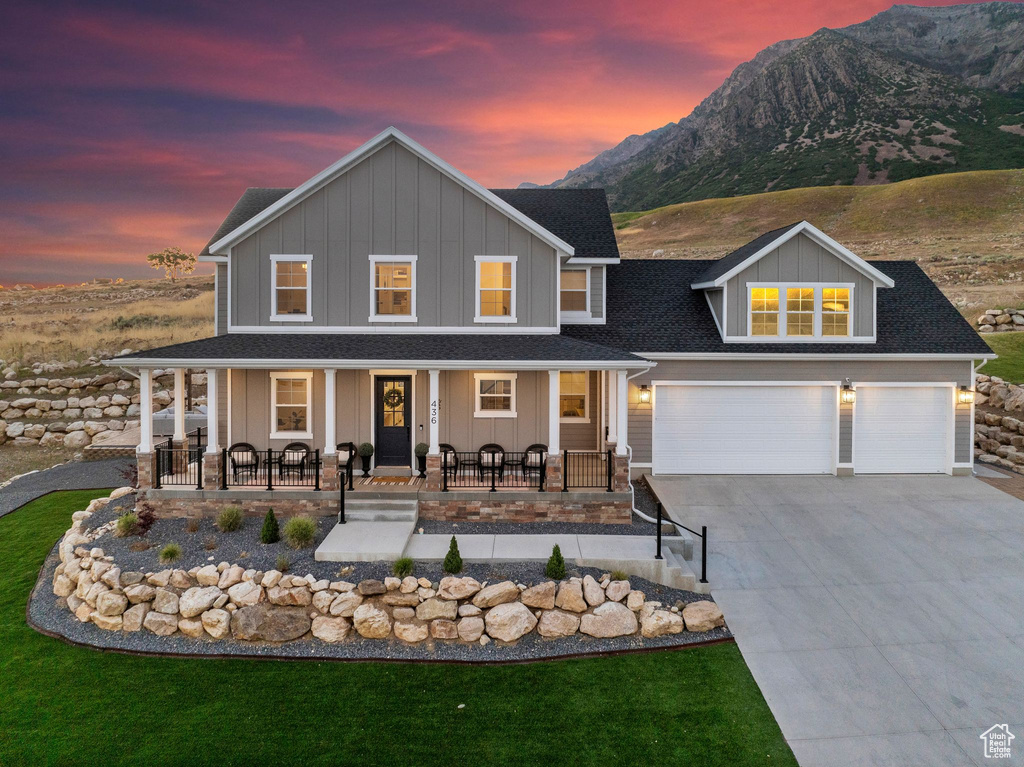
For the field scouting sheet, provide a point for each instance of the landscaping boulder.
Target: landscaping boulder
(322, 600)
(444, 629)
(161, 624)
(411, 632)
(330, 629)
(592, 591)
(453, 587)
(570, 597)
(371, 587)
(110, 603)
(344, 605)
(165, 602)
(542, 595)
(245, 594)
(191, 627)
(371, 622)
(107, 622)
(611, 619)
(617, 590)
(133, 617)
(398, 599)
(269, 623)
(208, 576)
(470, 629)
(296, 595)
(635, 600)
(659, 623)
(435, 608)
(408, 585)
(140, 593)
(230, 577)
(217, 623)
(197, 600)
(556, 623)
(509, 621)
(702, 616)
(496, 594)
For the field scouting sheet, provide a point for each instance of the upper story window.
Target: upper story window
(290, 407)
(290, 299)
(808, 311)
(573, 395)
(575, 293)
(392, 288)
(495, 288)
(495, 395)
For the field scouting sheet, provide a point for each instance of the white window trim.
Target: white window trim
(477, 412)
(586, 399)
(587, 313)
(274, 378)
(478, 317)
(294, 258)
(817, 337)
(374, 317)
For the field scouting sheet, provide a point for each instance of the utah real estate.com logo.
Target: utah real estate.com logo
(997, 740)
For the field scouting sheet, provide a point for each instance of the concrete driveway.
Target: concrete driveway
(882, 617)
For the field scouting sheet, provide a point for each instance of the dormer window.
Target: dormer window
(800, 312)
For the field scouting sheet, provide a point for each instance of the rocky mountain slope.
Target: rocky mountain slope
(911, 92)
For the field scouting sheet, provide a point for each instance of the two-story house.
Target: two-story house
(392, 300)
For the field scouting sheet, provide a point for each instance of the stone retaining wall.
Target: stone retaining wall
(563, 507)
(230, 603)
(1000, 321)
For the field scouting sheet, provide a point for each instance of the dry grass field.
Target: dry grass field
(965, 229)
(74, 322)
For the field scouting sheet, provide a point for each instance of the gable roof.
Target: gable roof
(652, 309)
(299, 193)
(253, 201)
(720, 271)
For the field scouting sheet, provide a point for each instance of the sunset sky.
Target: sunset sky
(129, 127)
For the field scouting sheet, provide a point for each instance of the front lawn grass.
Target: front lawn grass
(67, 705)
(1010, 348)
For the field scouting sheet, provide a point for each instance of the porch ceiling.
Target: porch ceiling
(382, 349)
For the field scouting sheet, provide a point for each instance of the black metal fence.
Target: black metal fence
(586, 469)
(270, 469)
(492, 470)
(178, 466)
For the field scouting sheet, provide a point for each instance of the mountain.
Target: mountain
(910, 92)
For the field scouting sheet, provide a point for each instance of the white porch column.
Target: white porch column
(621, 411)
(330, 419)
(613, 401)
(435, 412)
(146, 414)
(553, 412)
(179, 405)
(212, 425)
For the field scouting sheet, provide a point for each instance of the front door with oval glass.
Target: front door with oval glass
(394, 421)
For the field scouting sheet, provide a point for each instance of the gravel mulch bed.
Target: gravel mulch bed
(49, 614)
(643, 500)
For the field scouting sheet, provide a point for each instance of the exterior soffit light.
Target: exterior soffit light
(645, 394)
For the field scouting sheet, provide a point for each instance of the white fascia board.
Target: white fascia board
(297, 364)
(579, 260)
(212, 259)
(298, 194)
(866, 357)
(804, 227)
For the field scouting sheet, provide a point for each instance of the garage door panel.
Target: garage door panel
(902, 429)
(744, 429)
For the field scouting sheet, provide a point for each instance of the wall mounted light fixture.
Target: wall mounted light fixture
(645, 394)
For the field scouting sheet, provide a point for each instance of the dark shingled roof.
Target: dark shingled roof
(390, 348)
(580, 217)
(652, 308)
(741, 254)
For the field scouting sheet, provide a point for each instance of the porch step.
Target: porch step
(363, 541)
(677, 570)
(380, 510)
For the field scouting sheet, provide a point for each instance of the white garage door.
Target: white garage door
(727, 429)
(902, 429)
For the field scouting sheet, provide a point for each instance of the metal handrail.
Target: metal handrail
(703, 535)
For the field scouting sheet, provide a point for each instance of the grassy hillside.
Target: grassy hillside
(965, 229)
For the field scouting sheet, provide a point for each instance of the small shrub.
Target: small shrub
(555, 568)
(127, 524)
(144, 512)
(170, 553)
(403, 567)
(192, 525)
(270, 533)
(300, 532)
(365, 450)
(422, 448)
(283, 563)
(230, 519)
(453, 559)
(619, 575)
(210, 543)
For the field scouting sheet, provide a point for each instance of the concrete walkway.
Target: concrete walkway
(77, 475)
(882, 617)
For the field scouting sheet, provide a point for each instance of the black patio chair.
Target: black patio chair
(533, 460)
(491, 458)
(449, 460)
(346, 457)
(244, 459)
(293, 460)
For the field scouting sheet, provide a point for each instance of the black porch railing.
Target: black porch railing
(703, 535)
(178, 466)
(492, 470)
(586, 469)
(270, 469)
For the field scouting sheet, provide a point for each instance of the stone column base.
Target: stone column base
(211, 471)
(329, 473)
(553, 477)
(433, 481)
(620, 473)
(147, 470)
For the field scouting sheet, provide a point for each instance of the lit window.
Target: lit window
(393, 286)
(495, 395)
(800, 311)
(835, 312)
(764, 311)
(572, 395)
(290, 405)
(574, 291)
(496, 288)
(290, 297)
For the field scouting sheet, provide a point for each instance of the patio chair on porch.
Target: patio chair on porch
(533, 460)
(244, 460)
(449, 460)
(346, 456)
(491, 459)
(294, 459)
